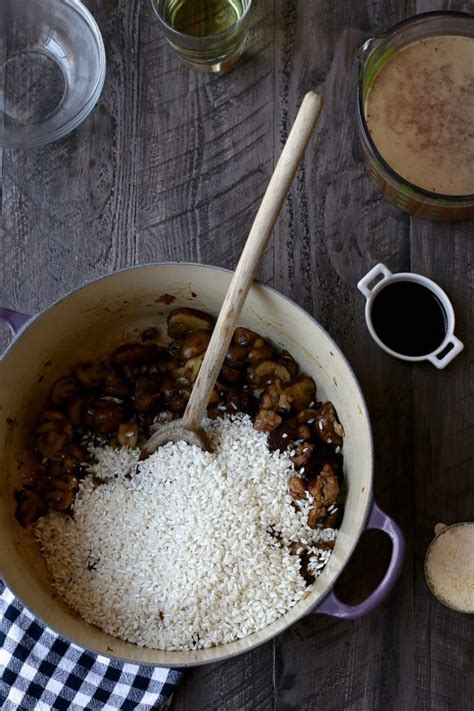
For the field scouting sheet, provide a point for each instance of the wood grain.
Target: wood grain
(172, 165)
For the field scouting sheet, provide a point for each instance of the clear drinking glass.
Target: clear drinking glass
(52, 69)
(371, 57)
(208, 35)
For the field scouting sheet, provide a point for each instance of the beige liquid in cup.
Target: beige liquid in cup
(420, 113)
(449, 567)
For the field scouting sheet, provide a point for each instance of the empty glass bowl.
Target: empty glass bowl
(52, 69)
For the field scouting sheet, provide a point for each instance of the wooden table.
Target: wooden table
(171, 166)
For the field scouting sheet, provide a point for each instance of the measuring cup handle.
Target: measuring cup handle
(457, 347)
(379, 270)
(15, 319)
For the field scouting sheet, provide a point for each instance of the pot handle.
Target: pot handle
(380, 270)
(15, 319)
(331, 605)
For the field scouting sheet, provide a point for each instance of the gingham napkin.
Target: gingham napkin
(40, 671)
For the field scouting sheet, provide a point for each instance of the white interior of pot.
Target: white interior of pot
(104, 314)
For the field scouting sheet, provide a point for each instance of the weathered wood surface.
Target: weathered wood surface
(172, 165)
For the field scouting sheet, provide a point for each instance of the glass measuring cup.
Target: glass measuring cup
(372, 56)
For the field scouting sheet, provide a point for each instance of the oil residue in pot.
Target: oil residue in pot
(409, 318)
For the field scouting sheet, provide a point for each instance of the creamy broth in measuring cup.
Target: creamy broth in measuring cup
(420, 113)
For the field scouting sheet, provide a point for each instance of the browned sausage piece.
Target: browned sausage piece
(327, 425)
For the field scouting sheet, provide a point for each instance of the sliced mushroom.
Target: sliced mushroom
(175, 395)
(62, 390)
(297, 488)
(267, 371)
(127, 434)
(328, 427)
(190, 345)
(53, 420)
(261, 350)
(61, 492)
(74, 410)
(165, 365)
(115, 384)
(300, 392)
(244, 337)
(52, 445)
(147, 393)
(67, 466)
(289, 362)
(30, 506)
(236, 356)
(137, 354)
(190, 369)
(231, 375)
(185, 320)
(90, 375)
(103, 415)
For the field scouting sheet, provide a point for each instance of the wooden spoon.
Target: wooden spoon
(189, 428)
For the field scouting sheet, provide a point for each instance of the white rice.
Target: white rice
(182, 555)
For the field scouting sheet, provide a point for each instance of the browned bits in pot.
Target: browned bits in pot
(149, 334)
(103, 415)
(61, 492)
(137, 354)
(127, 434)
(327, 425)
(182, 321)
(297, 488)
(62, 390)
(90, 375)
(190, 345)
(147, 393)
(30, 506)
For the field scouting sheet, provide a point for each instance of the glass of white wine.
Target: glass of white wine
(208, 35)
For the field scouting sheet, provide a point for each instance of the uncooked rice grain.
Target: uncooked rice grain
(189, 552)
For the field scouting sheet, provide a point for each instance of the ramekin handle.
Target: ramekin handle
(331, 605)
(14, 319)
(379, 270)
(457, 347)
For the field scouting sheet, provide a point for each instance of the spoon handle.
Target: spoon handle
(251, 256)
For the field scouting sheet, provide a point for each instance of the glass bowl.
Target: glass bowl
(52, 70)
(371, 57)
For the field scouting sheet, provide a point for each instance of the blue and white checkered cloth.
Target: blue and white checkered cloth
(39, 671)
